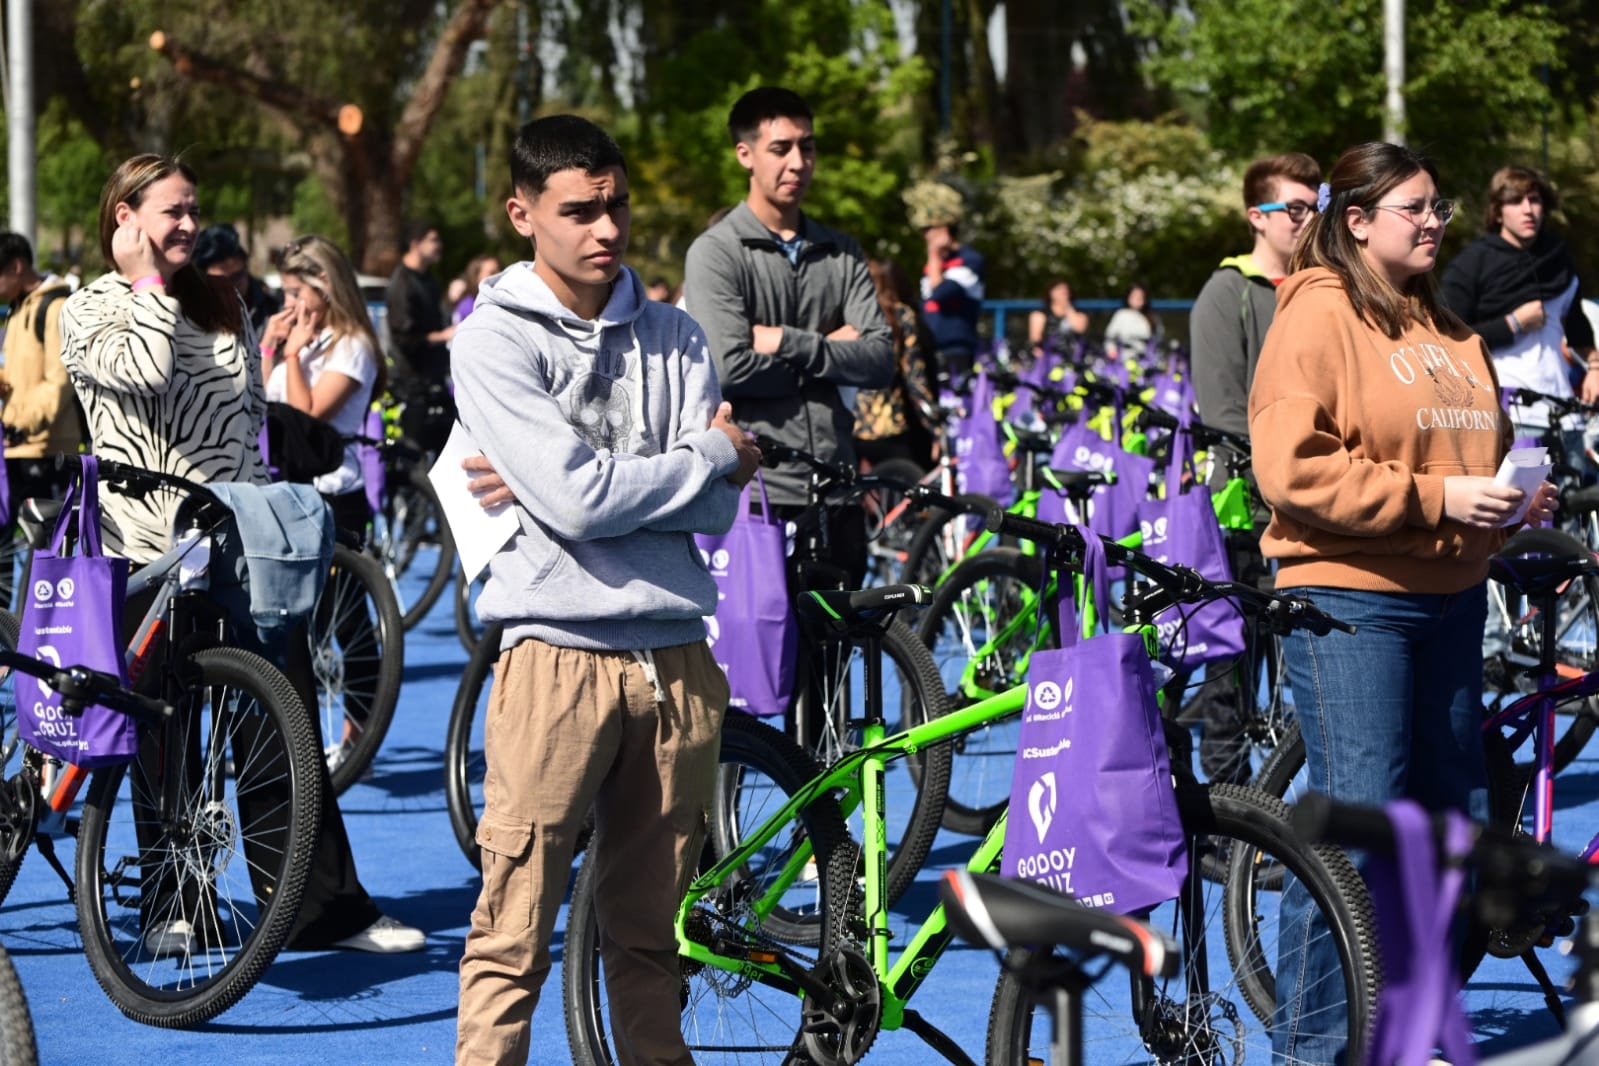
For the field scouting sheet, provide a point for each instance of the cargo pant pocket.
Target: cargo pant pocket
(505, 847)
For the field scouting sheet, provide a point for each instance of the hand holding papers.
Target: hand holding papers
(1524, 469)
(479, 532)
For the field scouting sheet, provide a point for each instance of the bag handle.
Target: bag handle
(1182, 453)
(85, 492)
(1096, 575)
(747, 498)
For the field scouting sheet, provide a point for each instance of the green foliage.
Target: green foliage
(72, 167)
(1144, 201)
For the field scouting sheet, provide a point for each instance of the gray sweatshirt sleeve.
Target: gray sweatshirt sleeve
(711, 297)
(577, 492)
(714, 509)
(1220, 360)
(867, 361)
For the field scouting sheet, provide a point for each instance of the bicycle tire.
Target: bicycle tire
(18, 816)
(929, 557)
(467, 627)
(464, 765)
(237, 703)
(761, 766)
(910, 674)
(18, 1045)
(357, 644)
(889, 545)
(414, 518)
(1224, 1023)
(980, 598)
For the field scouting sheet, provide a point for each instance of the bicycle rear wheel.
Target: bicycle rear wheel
(464, 764)
(192, 860)
(727, 1017)
(17, 1044)
(942, 540)
(413, 539)
(1219, 1007)
(1576, 653)
(358, 658)
(980, 629)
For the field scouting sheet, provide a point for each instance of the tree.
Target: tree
(359, 85)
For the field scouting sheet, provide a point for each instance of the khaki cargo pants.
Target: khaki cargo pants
(636, 736)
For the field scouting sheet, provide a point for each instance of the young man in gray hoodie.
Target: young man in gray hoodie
(599, 409)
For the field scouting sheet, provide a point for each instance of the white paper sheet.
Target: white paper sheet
(479, 533)
(1524, 469)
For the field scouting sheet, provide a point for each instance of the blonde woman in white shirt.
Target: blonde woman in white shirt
(321, 356)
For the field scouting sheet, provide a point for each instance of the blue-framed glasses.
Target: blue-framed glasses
(1298, 210)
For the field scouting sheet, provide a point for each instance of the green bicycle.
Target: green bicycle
(784, 940)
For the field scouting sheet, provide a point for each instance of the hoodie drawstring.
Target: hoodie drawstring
(646, 659)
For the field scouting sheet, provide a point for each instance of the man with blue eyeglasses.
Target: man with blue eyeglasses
(1226, 330)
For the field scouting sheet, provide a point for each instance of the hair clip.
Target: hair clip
(1323, 197)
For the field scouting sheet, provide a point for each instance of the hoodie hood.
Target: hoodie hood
(519, 289)
(1312, 279)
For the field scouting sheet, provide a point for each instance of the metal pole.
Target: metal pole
(946, 48)
(20, 117)
(1393, 17)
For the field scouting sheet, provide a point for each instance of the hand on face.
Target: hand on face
(133, 251)
(938, 240)
(307, 326)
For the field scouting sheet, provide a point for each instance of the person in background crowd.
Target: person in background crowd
(1517, 287)
(478, 270)
(320, 356)
(891, 423)
(659, 289)
(1227, 328)
(41, 413)
(1134, 327)
(789, 310)
(952, 289)
(218, 252)
(1382, 412)
(1057, 324)
(421, 340)
(169, 376)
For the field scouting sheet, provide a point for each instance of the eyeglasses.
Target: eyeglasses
(1298, 210)
(1416, 212)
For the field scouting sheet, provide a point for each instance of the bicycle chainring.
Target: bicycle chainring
(841, 1032)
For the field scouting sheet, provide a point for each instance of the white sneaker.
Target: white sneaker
(173, 936)
(385, 937)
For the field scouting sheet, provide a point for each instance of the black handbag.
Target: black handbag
(300, 447)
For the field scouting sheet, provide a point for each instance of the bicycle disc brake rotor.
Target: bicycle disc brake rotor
(211, 842)
(1203, 1031)
(839, 1033)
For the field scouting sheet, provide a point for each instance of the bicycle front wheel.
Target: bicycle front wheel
(192, 860)
(981, 630)
(17, 1044)
(464, 764)
(728, 1018)
(414, 543)
(1219, 1007)
(357, 643)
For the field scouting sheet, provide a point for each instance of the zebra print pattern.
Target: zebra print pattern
(162, 395)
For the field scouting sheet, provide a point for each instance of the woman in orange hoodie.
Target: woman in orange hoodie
(1383, 410)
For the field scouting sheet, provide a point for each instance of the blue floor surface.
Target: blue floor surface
(351, 1009)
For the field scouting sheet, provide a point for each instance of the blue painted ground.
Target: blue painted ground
(351, 1009)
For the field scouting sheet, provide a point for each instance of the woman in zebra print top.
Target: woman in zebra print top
(169, 374)
(163, 362)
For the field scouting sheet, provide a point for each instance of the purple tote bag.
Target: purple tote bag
(754, 634)
(1415, 896)
(1182, 529)
(372, 472)
(1115, 507)
(72, 616)
(1093, 811)
(980, 463)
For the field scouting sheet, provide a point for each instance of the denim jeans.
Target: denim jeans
(1391, 711)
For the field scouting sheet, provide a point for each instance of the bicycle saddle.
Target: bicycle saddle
(37, 517)
(1540, 562)
(1079, 484)
(1032, 441)
(845, 609)
(1002, 913)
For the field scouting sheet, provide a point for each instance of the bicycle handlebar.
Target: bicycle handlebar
(1204, 436)
(136, 481)
(1562, 405)
(1173, 584)
(80, 686)
(1505, 861)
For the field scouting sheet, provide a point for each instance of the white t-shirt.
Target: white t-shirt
(353, 357)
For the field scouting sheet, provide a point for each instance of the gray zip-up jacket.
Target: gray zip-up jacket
(599, 428)
(737, 277)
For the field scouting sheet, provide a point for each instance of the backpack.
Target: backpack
(50, 297)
